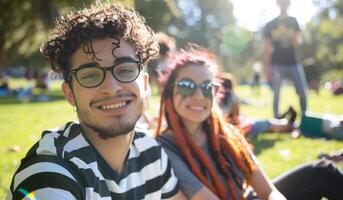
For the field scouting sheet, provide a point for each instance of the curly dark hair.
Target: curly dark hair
(166, 43)
(80, 27)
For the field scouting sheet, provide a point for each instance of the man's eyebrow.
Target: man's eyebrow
(117, 60)
(91, 64)
(124, 58)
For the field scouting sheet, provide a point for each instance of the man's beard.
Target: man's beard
(120, 126)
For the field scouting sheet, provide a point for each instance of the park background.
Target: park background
(214, 24)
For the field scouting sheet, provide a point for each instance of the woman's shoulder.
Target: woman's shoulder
(167, 141)
(166, 135)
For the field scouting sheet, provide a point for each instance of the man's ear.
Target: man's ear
(146, 81)
(68, 93)
(147, 88)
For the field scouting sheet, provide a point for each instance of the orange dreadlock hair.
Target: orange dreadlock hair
(222, 137)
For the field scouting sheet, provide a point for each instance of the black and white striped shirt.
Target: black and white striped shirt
(63, 165)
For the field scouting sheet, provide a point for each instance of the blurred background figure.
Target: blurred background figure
(42, 85)
(4, 87)
(337, 87)
(22, 94)
(335, 156)
(158, 67)
(229, 103)
(312, 73)
(256, 78)
(317, 125)
(280, 57)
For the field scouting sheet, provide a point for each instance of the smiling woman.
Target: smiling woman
(252, 15)
(211, 158)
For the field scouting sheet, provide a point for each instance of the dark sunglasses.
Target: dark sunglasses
(93, 76)
(187, 87)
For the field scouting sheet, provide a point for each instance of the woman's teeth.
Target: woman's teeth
(197, 108)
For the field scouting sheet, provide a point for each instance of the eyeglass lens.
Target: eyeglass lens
(94, 76)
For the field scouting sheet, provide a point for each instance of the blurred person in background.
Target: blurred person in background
(229, 103)
(280, 57)
(256, 76)
(158, 66)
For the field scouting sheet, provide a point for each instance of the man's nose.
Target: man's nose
(110, 85)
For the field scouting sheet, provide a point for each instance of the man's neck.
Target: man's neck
(113, 150)
(283, 14)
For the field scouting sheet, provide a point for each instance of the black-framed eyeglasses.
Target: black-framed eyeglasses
(187, 87)
(93, 76)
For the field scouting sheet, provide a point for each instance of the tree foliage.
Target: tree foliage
(199, 21)
(21, 25)
(324, 38)
(24, 24)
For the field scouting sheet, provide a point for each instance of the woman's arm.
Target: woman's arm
(204, 194)
(179, 196)
(263, 187)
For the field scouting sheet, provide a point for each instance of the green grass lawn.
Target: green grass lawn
(22, 123)
(278, 152)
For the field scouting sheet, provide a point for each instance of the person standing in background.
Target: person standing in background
(280, 57)
(256, 78)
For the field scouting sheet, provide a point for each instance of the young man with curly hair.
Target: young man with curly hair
(102, 52)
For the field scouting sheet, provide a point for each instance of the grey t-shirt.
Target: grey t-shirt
(189, 183)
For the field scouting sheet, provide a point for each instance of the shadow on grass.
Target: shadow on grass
(263, 143)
